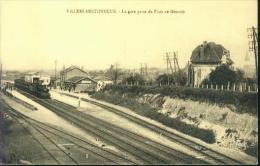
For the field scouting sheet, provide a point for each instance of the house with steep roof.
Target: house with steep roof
(204, 59)
(76, 79)
(70, 72)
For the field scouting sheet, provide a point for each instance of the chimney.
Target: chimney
(204, 43)
(228, 53)
(201, 51)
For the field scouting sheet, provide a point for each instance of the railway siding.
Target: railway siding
(167, 151)
(49, 145)
(79, 148)
(201, 148)
(141, 149)
(136, 148)
(19, 145)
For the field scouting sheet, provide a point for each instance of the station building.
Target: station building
(76, 79)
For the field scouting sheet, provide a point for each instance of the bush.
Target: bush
(245, 102)
(223, 75)
(135, 79)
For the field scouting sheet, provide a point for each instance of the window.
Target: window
(199, 74)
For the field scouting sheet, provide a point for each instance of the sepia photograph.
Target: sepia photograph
(142, 82)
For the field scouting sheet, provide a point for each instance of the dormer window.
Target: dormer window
(224, 59)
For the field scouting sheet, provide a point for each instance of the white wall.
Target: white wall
(29, 78)
(201, 72)
(46, 80)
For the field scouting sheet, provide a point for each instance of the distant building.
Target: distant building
(204, 59)
(76, 79)
(102, 81)
(70, 72)
(39, 77)
(80, 84)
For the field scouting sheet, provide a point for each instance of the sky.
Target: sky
(36, 33)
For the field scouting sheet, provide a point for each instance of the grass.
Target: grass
(148, 111)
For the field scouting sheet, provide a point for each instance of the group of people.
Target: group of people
(67, 88)
(6, 86)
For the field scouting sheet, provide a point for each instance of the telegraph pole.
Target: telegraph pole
(144, 70)
(253, 45)
(167, 70)
(1, 71)
(141, 69)
(169, 59)
(176, 64)
(255, 49)
(55, 84)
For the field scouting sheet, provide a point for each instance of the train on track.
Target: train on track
(35, 88)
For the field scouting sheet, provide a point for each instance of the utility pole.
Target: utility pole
(55, 84)
(143, 70)
(169, 59)
(146, 70)
(167, 67)
(176, 64)
(1, 71)
(168, 79)
(253, 36)
(176, 68)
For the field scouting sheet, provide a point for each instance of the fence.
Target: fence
(241, 87)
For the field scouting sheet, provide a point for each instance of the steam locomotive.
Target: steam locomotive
(35, 87)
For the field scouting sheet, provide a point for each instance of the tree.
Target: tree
(164, 79)
(114, 72)
(133, 79)
(180, 77)
(240, 75)
(223, 75)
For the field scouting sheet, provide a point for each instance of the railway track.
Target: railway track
(212, 155)
(147, 151)
(103, 155)
(45, 142)
(151, 144)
